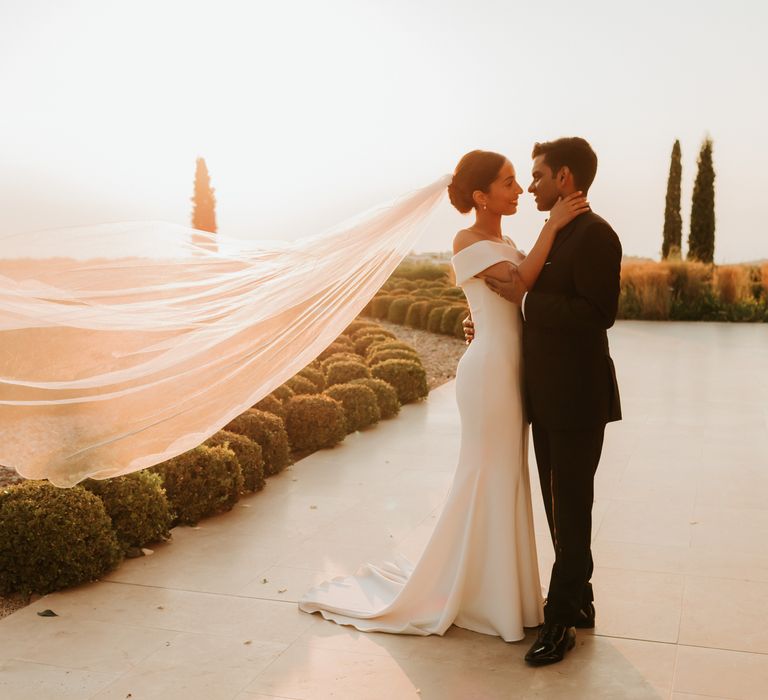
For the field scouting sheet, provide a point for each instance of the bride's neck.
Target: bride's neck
(488, 224)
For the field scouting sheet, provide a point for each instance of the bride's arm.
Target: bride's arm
(565, 211)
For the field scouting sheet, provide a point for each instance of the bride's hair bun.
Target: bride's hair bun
(475, 171)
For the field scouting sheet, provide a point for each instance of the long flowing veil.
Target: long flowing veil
(112, 363)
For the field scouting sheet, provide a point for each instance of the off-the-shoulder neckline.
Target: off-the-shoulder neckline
(504, 243)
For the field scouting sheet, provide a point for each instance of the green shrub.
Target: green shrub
(283, 393)
(398, 309)
(343, 372)
(332, 349)
(377, 330)
(271, 404)
(315, 376)
(362, 345)
(358, 325)
(341, 357)
(452, 293)
(301, 385)
(248, 453)
(315, 422)
(408, 378)
(201, 482)
(448, 322)
(435, 318)
(417, 314)
(384, 355)
(380, 305)
(346, 341)
(421, 271)
(269, 432)
(52, 538)
(361, 408)
(386, 396)
(137, 505)
(373, 348)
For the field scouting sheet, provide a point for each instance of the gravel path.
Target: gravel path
(440, 354)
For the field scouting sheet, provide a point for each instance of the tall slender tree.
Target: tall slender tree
(673, 222)
(204, 205)
(701, 239)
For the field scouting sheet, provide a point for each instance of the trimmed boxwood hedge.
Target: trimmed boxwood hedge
(386, 396)
(271, 404)
(302, 385)
(383, 355)
(201, 482)
(361, 408)
(398, 309)
(137, 505)
(315, 422)
(249, 454)
(344, 372)
(407, 377)
(52, 538)
(269, 431)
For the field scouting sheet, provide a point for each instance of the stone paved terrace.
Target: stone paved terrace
(680, 542)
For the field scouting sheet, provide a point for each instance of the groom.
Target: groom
(570, 383)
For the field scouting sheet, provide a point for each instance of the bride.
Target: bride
(479, 569)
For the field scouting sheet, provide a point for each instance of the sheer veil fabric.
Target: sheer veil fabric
(112, 364)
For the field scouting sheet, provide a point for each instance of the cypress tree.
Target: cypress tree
(673, 222)
(701, 239)
(204, 205)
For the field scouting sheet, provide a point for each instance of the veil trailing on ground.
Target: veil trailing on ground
(114, 363)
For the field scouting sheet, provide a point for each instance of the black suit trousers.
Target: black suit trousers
(567, 461)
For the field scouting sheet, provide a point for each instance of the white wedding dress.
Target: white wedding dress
(479, 569)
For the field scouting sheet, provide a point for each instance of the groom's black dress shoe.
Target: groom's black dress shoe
(550, 646)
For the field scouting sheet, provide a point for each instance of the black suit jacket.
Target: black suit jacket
(570, 380)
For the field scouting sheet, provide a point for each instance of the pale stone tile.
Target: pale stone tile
(617, 593)
(726, 614)
(283, 583)
(195, 666)
(23, 680)
(647, 523)
(715, 672)
(86, 645)
(730, 530)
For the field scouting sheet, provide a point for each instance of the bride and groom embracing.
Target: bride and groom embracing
(538, 354)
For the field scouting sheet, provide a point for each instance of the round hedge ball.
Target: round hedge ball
(249, 454)
(344, 372)
(137, 506)
(361, 407)
(52, 538)
(386, 396)
(315, 422)
(269, 432)
(407, 377)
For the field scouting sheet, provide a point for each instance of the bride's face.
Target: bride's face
(504, 191)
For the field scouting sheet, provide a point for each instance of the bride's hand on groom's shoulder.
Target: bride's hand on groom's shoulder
(567, 209)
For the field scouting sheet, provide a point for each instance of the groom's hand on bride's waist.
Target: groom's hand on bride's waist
(511, 290)
(469, 329)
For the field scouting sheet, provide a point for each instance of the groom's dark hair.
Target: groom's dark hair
(573, 152)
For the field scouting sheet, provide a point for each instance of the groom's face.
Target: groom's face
(543, 187)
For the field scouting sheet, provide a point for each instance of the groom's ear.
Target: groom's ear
(563, 175)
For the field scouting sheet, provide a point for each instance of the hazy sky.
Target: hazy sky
(308, 112)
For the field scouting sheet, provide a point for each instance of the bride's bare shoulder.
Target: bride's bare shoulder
(465, 238)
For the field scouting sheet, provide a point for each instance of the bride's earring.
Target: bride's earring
(485, 207)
